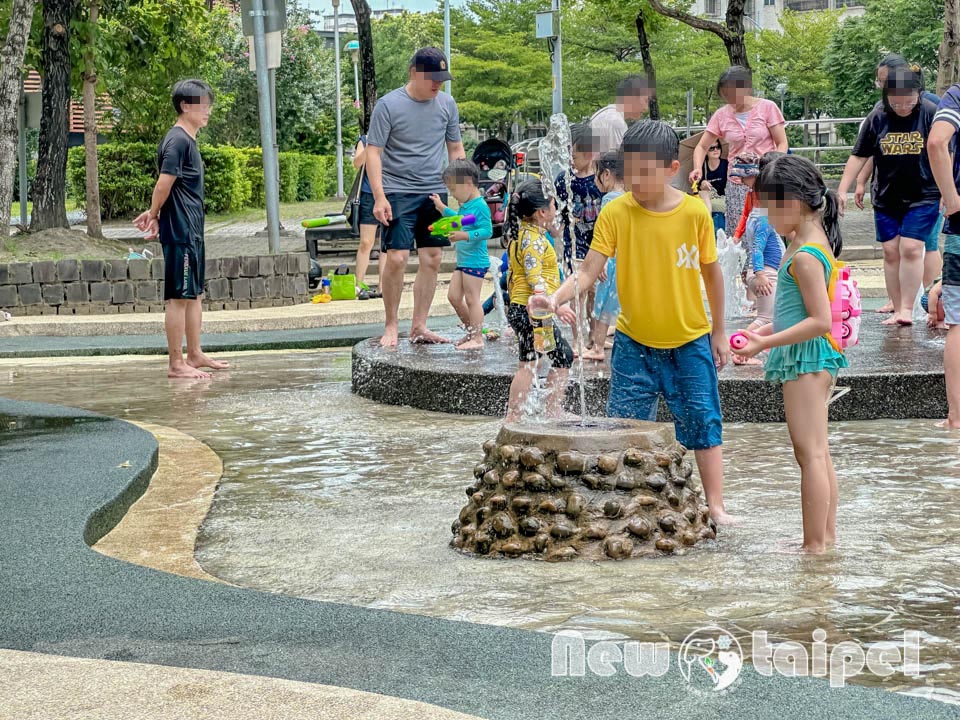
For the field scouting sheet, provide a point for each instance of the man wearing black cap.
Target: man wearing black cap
(408, 131)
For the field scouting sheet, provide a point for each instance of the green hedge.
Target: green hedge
(127, 175)
(233, 177)
(226, 185)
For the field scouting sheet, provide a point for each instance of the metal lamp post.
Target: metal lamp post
(782, 89)
(353, 47)
(446, 37)
(548, 28)
(336, 61)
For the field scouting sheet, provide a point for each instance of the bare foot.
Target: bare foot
(426, 337)
(886, 309)
(949, 424)
(182, 370)
(722, 517)
(594, 354)
(461, 341)
(202, 360)
(389, 338)
(470, 344)
(904, 320)
(892, 320)
(815, 548)
(741, 360)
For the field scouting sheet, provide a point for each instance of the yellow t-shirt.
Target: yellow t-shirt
(532, 261)
(658, 268)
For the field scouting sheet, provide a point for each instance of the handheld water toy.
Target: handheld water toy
(738, 341)
(446, 225)
(324, 221)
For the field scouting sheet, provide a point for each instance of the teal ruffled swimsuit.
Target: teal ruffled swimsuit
(788, 362)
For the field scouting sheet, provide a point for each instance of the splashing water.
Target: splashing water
(501, 313)
(919, 314)
(556, 161)
(732, 258)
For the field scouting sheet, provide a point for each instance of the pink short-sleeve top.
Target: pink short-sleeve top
(755, 137)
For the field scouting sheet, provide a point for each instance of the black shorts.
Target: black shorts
(561, 356)
(366, 209)
(184, 274)
(413, 213)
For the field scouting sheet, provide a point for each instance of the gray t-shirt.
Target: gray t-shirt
(413, 135)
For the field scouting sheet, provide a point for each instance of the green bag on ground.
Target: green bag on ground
(343, 287)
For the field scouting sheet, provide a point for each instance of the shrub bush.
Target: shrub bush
(289, 176)
(227, 187)
(310, 179)
(128, 172)
(233, 177)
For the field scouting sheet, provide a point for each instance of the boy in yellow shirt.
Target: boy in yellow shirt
(664, 243)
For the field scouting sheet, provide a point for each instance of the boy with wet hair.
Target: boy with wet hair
(664, 345)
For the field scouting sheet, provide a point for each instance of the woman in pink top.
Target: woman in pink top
(747, 124)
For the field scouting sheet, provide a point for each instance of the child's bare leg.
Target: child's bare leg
(455, 298)
(804, 402)
(831, 533)
(710, 466)
(951, 367)
(519, 389)
(598, 337)
(556, 391)
(474, 310)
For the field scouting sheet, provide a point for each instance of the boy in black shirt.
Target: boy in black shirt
(176, 214)
(906, 200)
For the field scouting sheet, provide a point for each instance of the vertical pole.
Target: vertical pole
(356, 84)
(446, 38)
(22, 153)
(689, 112)
(336, 62)
(557, 63)
(271, 182)
(817, 131)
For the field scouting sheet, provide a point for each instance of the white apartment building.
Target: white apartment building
(765, 14)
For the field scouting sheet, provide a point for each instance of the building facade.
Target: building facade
(765, 14)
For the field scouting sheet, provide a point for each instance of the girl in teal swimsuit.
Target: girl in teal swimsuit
(802, 356)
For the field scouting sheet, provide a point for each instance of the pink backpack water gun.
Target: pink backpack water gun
(845, 307)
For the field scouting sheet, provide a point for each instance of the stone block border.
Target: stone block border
(118, 285)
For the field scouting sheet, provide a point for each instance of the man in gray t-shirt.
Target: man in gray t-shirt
(405, 146)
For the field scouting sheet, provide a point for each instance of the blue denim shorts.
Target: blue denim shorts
(918, 223)
(686, 377)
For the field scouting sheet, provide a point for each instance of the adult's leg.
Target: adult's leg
(805, 406)
(392, 288)
(424, 288)
(194, 322)
(368, 234)
(891, 276)
(175, 320)
(472, 286)
(911, 275)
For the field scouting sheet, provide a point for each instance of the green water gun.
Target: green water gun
(446, 225)
(321, 222)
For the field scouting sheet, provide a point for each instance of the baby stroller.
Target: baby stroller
(497, 169)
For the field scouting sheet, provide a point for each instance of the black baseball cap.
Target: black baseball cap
(431, 60)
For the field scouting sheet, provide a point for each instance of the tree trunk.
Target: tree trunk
(368, 78)
(50, 185)
(94, 228)
(11, 70)
(648, 67)
(735, 44)
(949, 47)
(731, 32)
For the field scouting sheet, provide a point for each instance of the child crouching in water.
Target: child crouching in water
(462, 179)
(606, 309)
(534, 269)
(803, 357)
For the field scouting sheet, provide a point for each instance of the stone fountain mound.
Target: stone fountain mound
(612, 489)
